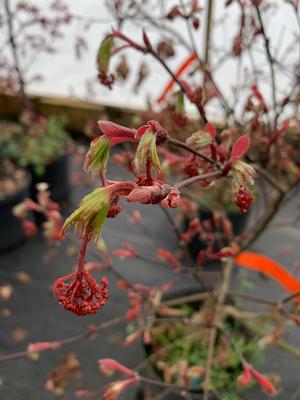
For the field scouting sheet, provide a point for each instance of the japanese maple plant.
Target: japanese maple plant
(254, 146)
(207, 156)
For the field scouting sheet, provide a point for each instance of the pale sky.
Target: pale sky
(64, 75)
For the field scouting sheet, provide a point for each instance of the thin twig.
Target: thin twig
(198, 178)
(213, 335)
(291, 297)
(25, 100)
(271, 64)
(69, 340)
(264, 173)
(174, 77)
(179, 143)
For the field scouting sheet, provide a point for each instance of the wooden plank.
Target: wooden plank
(78, 112)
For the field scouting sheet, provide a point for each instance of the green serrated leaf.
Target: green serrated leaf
(104, 53)
(91, 213)
(97, 157)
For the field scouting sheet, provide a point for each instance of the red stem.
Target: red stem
(148, 171)
(85, 240)
(121, 187)
(198, 178)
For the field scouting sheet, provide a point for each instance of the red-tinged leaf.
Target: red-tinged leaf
(143, 129)
(210, 128)
(108, 366)
(42, 346)
(167, 286)
(277, 134)
(133, 313)
(117, 140)
(257, 93)
(240, 147)
(270, 268)
(121, 284)
(133, 337)
(168, 257)
(111, 129)
(123, 253)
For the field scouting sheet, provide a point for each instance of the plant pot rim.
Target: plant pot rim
(67, 153)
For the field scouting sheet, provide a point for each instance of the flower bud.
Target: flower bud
(243, 198)
(243, 173)
(199, 139)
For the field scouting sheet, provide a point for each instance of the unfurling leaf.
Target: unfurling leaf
(199, 139)
(91, 213)
(210, 128)
(96, 158)
(146, 151)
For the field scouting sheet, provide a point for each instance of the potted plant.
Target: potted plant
(14, 186)
(43, 146)
(178, 342)
(255, 147)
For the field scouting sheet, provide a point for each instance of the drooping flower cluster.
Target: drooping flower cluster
(243, 198)
(242, 175)
(80, 293)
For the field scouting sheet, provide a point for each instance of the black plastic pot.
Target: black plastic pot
(11, 231)
(58, 178)
(151, 371)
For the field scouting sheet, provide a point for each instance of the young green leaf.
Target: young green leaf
(104, 53)
(146, 151)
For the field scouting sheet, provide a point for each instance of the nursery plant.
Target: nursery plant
(203, 344)
(14, 186)
(36, 141)
(40, 144)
